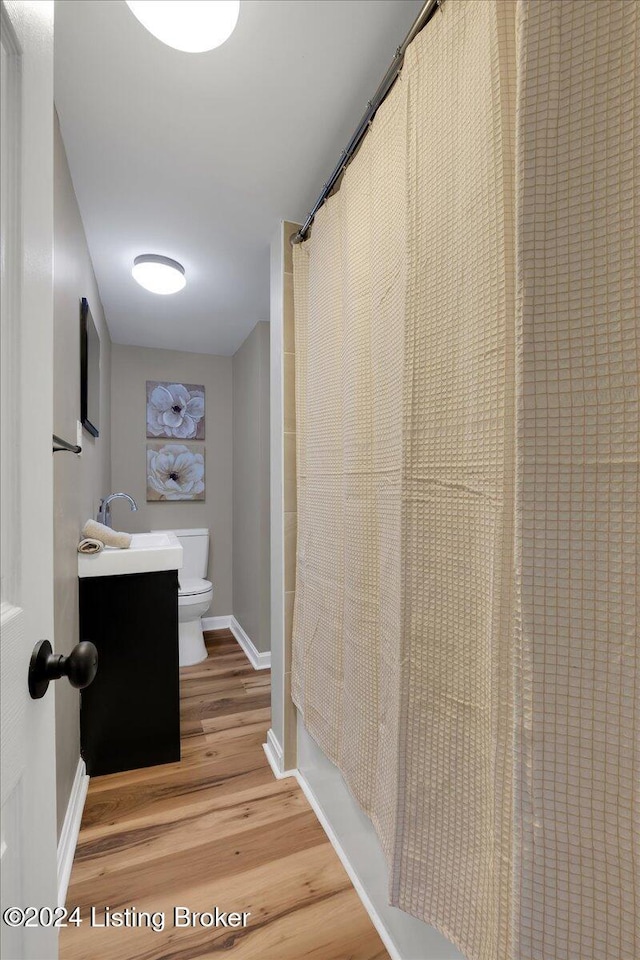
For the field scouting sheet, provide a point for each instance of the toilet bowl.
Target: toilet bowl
(194, 595)
(194, 599)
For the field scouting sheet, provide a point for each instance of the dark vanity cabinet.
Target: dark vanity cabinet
(130, 715)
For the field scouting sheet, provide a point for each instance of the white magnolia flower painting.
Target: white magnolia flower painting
(175, 471)
(175, 410)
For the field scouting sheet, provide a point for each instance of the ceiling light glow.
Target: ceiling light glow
(158, 274)
(191, 25)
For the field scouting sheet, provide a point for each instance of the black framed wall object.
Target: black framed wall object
(89, 371)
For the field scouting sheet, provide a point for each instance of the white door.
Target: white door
(27, 786)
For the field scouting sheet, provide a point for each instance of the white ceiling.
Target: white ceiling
(198, 156)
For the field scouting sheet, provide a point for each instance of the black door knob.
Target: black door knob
(80, 667)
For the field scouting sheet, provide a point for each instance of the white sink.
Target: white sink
(148, 553)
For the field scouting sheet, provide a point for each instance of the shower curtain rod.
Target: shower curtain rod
(384, 87)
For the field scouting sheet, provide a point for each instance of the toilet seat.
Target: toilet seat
(193, 587)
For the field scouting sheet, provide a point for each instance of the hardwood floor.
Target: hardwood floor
(215, 829)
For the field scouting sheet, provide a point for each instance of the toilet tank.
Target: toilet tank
(195, 553)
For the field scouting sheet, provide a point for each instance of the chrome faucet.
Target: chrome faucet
(104, 507)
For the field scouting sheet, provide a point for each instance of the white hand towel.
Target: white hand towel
(90, 545)
(111, 538)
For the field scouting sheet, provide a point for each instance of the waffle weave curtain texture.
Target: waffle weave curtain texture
(464, 640)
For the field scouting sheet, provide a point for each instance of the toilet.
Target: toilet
(194, 595)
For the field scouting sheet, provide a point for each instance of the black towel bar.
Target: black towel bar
(60, 445)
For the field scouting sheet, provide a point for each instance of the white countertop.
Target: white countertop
(148, 553)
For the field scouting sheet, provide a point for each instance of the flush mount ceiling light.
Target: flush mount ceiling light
(190, 25)
(158, 274)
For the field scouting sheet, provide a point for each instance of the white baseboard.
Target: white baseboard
(346, 863)
(353, 837)
(70, 830)
(259, 661)
(274, 755)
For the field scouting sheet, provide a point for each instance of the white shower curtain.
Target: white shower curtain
(463, 638)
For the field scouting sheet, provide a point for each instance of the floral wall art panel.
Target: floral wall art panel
(175, 410)
(175, 471)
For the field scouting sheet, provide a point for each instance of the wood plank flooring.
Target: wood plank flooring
(215, 829)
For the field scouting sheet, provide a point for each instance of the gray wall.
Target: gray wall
(251, 589)
(131, 368)
(78, 481)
